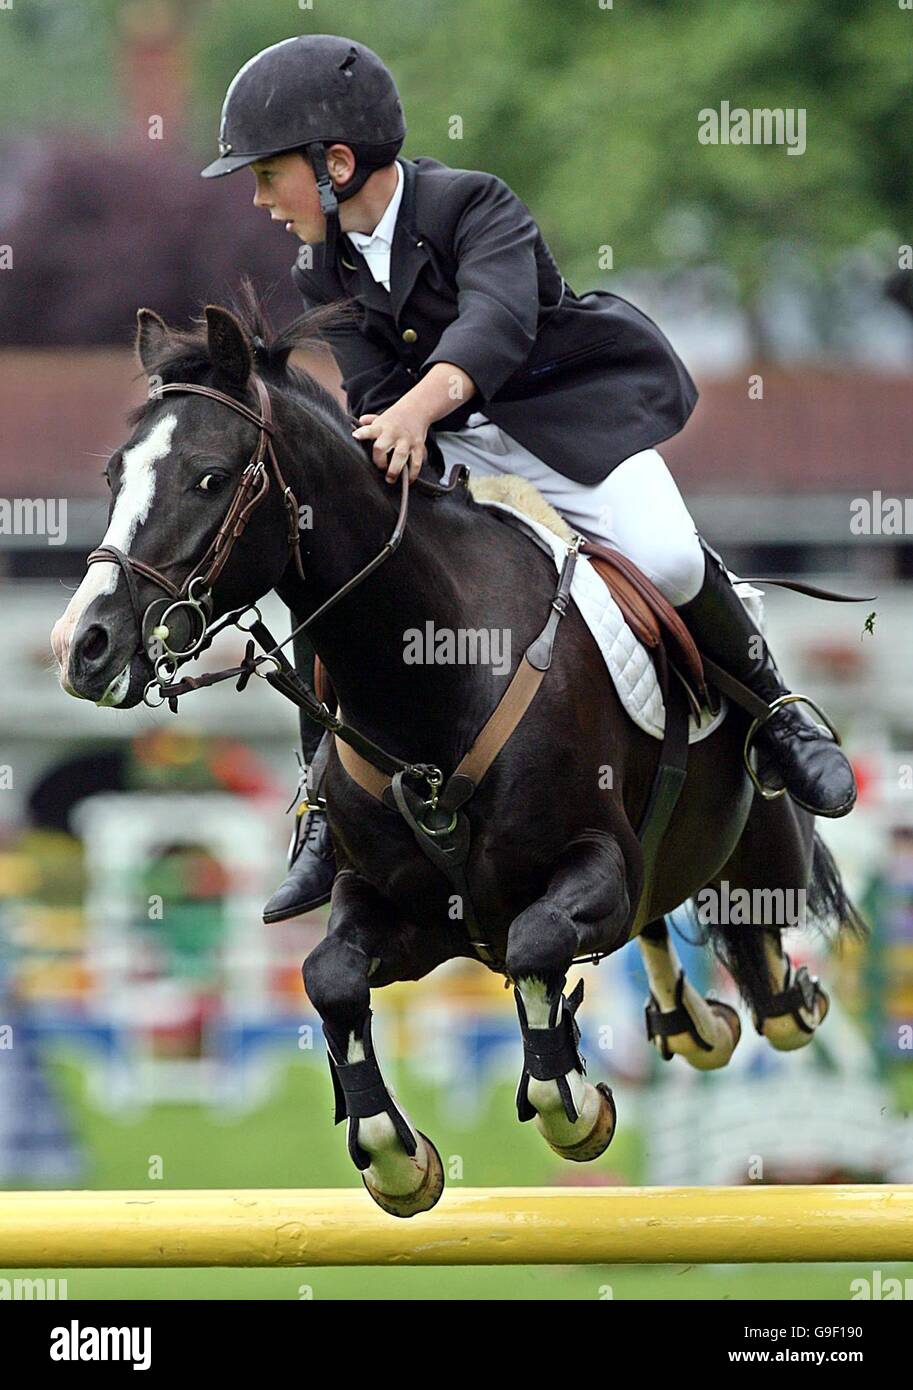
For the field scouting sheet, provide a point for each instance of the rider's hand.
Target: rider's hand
(400, 428)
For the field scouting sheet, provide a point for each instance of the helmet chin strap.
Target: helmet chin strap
(330, 199)
(329, 203)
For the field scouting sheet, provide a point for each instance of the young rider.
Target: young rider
(469, 341)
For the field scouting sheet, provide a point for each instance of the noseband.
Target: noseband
(193, 597)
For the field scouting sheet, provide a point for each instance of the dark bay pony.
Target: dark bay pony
(555, 870)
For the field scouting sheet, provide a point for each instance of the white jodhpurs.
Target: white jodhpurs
(637, 509)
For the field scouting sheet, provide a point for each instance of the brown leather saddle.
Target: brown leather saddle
(650, 616)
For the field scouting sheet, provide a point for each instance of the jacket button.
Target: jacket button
(410, 335)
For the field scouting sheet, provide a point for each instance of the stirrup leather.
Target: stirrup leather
(768, 793)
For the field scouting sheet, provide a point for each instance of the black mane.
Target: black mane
(186, 354)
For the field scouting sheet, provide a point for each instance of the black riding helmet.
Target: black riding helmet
(307, 93)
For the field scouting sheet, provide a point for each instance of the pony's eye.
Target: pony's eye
(210, 482)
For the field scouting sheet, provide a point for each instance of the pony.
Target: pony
(555, 869)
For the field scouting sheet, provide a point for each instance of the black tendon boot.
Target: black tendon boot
(311, 859)
(801, 755)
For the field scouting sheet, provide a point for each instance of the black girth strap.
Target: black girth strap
(448, 848)
(668, 779)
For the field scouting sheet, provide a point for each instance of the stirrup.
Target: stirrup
(788, 699)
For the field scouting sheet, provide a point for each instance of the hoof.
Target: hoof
(724, 1035)
(599, 1137)
(425, 1196)
(722, 1052)
(784, 1034)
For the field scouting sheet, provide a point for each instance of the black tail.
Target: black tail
(829, 905)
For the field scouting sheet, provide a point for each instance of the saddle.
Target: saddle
(649, 615)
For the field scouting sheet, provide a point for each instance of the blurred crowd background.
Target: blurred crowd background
(147, 1010)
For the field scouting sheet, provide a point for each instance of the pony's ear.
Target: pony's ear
(151, 336)
(229, 349)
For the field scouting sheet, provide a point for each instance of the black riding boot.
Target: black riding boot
(803, 757)
(311, 860)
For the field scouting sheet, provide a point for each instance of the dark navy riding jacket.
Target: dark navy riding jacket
(583, 381)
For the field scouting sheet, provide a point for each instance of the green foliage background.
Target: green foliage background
(590, 114)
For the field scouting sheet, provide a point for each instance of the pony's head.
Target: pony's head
(173, 484)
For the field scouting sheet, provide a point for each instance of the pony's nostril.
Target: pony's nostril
(94, 644)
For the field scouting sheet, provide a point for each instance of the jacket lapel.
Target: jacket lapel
(358, 280)
(409, 251)
(407, 256)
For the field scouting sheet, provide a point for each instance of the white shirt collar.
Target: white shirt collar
(376, 246)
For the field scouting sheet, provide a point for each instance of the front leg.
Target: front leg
(400, 1166)
(586, 907)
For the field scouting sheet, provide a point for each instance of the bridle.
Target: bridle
(194, 596)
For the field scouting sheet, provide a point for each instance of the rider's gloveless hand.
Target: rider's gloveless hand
(398, 429)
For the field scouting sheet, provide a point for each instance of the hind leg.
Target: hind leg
(764, 888)
(679, 1021)
(584, 908)
(796, 1006)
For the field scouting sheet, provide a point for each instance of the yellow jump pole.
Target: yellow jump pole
(470, 1226)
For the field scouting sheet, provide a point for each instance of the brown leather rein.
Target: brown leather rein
(252, 489)
(250, 492)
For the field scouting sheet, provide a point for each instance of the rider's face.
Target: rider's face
(286, 186)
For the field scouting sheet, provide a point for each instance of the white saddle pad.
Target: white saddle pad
(627, 659)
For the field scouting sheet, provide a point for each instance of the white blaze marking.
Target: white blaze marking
(134, 501)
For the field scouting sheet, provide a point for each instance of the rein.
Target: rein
(253, 487)
(194, 596)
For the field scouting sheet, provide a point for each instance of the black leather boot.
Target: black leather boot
(311, 858)
(312, 868)
(811, 766)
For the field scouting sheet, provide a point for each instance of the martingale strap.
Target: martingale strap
(441, 829)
